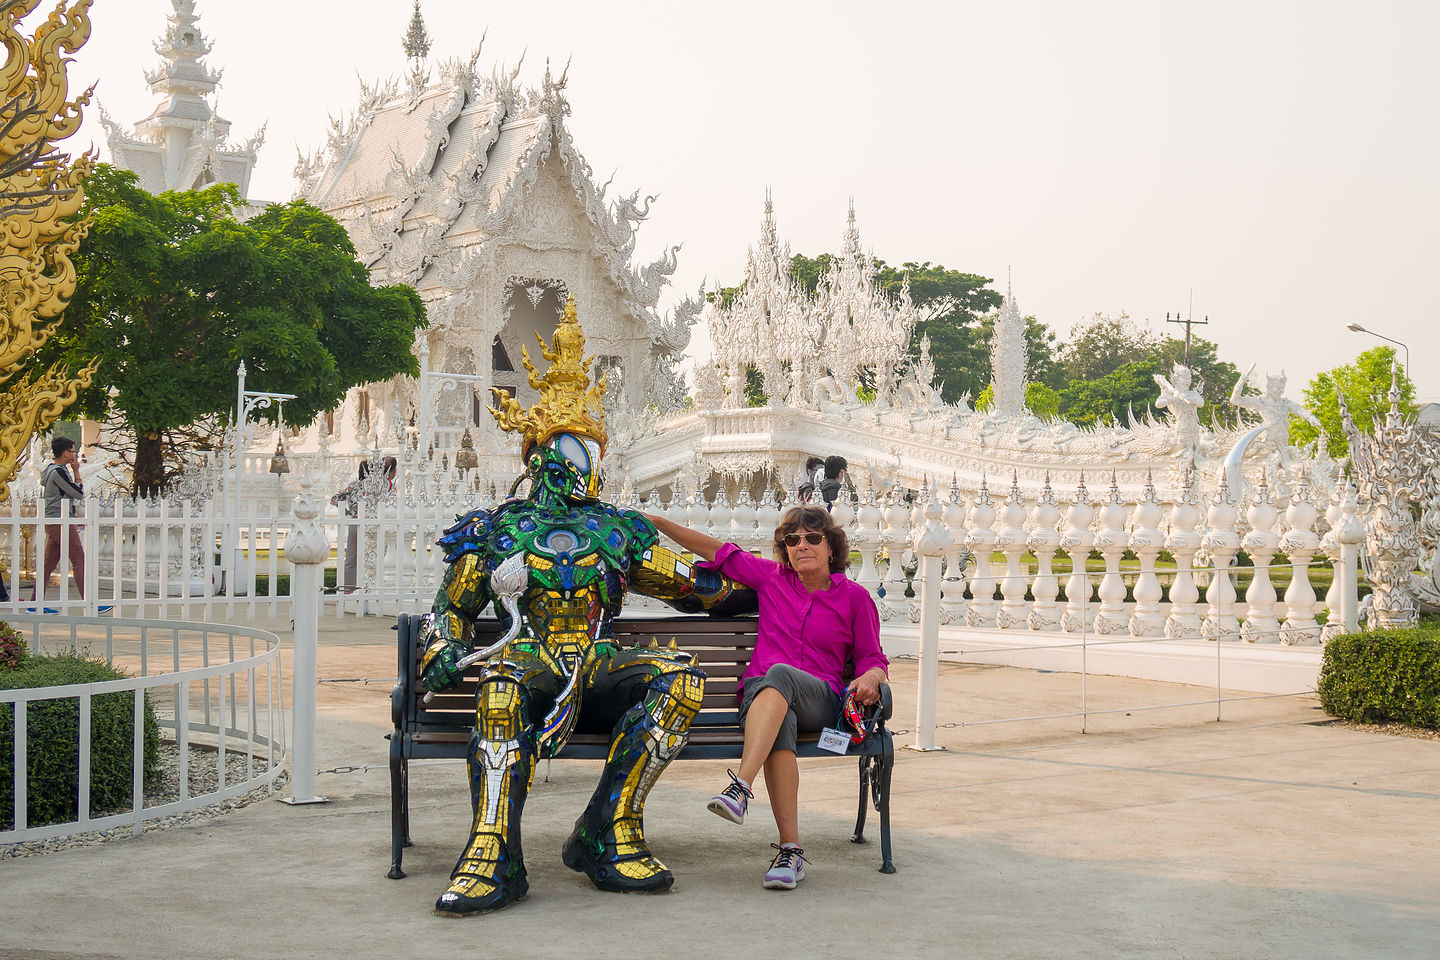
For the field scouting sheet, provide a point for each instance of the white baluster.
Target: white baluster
(1077, 541)
(867, 540)
(896, 537)
(1261, 543)
(1012, 614)
(1350, 534)
(767, 518)
(1221, 543)
(981, 541)
(720, 514)
(1146, 540)
(1183, 543)
(742, 520)
(952, 515)
(1043, 540)
(1111, 541)
(697, 511)
(1330, 544)
(1300, 544)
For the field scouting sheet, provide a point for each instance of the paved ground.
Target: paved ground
(1154, 834)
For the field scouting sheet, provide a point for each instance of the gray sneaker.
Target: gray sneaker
(787, 869)
(731, 802)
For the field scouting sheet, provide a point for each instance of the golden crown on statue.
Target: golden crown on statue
(568, 403)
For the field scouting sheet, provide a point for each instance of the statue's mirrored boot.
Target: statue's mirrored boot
(491, 871)
(608, 842)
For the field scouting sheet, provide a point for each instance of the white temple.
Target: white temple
(469, 188)
(183, 144)
(810, 353)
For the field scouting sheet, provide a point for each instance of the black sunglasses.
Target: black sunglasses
(793, 539)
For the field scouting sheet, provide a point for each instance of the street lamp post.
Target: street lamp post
(1355, 327)
(246, 402)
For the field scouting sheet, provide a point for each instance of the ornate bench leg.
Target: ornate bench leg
(859, 835)
(887, 763)
(399, 809)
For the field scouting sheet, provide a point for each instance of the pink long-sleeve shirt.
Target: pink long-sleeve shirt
(815, 632)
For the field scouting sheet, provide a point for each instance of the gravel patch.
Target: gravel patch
(1391, 729)
(204, 777)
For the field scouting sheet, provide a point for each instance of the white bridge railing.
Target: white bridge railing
(215, 688)
(1037, 565)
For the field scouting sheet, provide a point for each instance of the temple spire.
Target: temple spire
(852, 237)
(183, 143)
(1007, 357)
(416, 42)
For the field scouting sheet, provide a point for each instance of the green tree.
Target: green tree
(1041, 400)
(174, 291)
(1108, 398)
(1365, 385)
(1103, 344)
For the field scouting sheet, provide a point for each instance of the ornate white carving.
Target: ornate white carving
(1395, 476)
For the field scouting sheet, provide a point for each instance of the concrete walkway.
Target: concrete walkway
(1157, 833)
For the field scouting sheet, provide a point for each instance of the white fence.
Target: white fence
(167, 558)
(216, 688)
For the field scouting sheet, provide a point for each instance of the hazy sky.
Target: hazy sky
(1281, 159)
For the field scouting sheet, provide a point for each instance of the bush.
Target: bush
(53, 743)
(12, 648)
(1379, 676)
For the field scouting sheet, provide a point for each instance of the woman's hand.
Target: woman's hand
(866, 687)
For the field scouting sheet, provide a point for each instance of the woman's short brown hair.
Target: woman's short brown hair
(806, 517)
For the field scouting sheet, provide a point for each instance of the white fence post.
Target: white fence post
(307, 549)
(1350, 535)
(931, 541)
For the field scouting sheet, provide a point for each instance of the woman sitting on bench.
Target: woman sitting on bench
(813, 619)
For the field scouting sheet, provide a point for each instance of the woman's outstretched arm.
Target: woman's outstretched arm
(701, 544)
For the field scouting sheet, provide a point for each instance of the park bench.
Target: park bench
(722, 646)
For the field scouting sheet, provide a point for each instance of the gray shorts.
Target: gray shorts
(813, 705)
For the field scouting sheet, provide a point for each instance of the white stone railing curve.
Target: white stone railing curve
(233, 706)
(1015, 544)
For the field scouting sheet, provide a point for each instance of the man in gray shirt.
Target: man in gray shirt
(61, 481)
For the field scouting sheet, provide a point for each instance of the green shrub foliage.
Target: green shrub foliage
(1384, 676)
(12, 648)
(53, 743)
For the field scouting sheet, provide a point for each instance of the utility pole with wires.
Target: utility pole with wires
(1189, 321)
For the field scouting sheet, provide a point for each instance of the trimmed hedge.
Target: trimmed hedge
(1380, 676)
(53, 743)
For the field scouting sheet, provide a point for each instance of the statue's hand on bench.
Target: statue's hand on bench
(442, 669)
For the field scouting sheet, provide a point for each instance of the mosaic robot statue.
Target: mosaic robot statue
(556, 564)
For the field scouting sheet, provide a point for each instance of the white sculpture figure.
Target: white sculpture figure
(1273, 406)
(1184, 403)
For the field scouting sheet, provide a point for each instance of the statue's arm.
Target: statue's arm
(666, 575)
(463, 594)
(1300, 411)
(1238, 391)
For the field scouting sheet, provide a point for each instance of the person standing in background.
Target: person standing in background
(835, 466)
(61, 481)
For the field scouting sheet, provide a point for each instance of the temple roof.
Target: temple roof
(454, 158)
(183, 115)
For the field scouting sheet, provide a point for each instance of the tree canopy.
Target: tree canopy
(1365, 384)
(1103, 346)
(174, 291)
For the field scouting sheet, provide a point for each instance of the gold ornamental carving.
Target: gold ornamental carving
(40, 191)
(568, 403)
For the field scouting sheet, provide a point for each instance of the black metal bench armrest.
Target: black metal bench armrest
(887, 702)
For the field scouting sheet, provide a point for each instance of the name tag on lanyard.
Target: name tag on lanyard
(834, 741)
